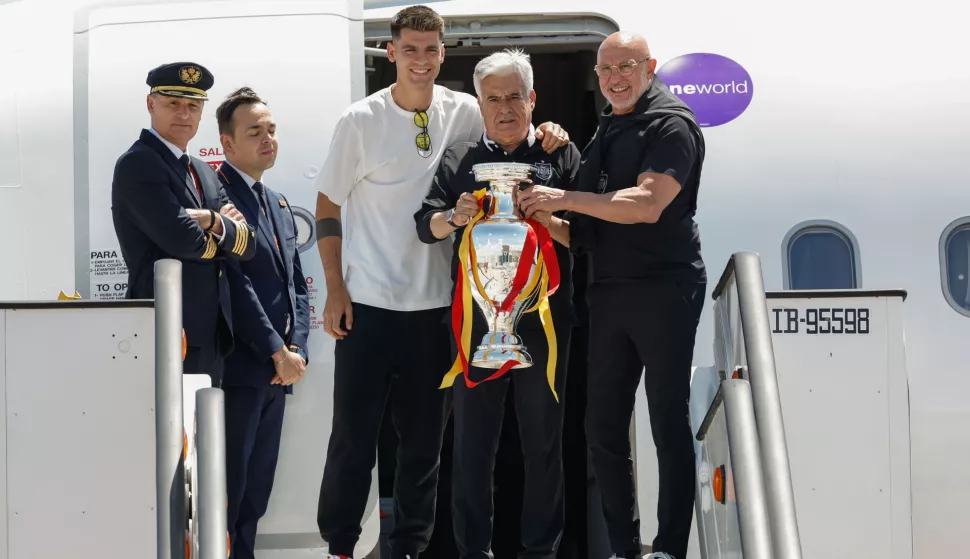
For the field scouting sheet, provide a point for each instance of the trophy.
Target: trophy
(497, 243)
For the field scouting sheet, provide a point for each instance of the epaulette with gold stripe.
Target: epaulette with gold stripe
(242, 239)
(210, 247)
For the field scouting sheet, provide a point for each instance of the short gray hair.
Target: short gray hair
(508, 61)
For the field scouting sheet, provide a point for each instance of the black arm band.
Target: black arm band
(328, 227)
(212, 221)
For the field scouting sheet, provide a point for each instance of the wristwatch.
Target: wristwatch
(451, 217)
(299, 351)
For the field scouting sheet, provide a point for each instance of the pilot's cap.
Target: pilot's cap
(181, 79)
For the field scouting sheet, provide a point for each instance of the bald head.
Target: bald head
(625, 69)
(633, 44)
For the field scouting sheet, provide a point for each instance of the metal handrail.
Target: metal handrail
(169, 434)
(745, 268)
(726, 276)
(712, 410)
(746, 469)
(211, 492)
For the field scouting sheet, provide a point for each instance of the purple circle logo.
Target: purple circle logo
(715, 87)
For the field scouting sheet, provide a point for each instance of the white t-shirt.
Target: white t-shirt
(375, 172)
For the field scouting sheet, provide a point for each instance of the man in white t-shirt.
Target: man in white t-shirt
(388, 294)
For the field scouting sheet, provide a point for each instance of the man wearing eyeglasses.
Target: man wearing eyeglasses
(388, 294)
(633, 214)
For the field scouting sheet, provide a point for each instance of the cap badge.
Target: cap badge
(190, 75)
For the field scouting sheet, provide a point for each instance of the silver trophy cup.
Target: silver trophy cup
(498, 240)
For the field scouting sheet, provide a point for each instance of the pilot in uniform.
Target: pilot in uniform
(167, 204)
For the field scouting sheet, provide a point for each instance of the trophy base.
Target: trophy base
(499, 347)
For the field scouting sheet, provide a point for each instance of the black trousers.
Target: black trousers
(649, 328)
(254, 424)
(397, 358)
(478, 425)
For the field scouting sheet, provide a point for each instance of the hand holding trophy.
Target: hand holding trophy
(508, 267)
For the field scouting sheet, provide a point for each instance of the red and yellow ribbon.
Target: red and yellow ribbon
(547, 281)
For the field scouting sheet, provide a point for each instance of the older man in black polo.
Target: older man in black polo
(503, 83)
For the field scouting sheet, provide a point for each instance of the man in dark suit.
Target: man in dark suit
(166, 204)
(271, 308)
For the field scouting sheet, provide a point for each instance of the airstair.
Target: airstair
(749, 467)
(802, 426)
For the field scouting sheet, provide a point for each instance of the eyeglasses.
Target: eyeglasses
(423, 139)
(624, 68)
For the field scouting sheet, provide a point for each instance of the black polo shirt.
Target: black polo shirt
(454, 177)
(659, 136)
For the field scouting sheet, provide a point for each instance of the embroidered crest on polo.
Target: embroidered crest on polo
(543, 171)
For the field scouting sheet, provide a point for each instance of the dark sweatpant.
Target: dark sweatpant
(478, 426)
(398, 358)
(634, 327)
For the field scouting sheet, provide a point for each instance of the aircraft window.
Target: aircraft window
(955, 265)
(821, 255)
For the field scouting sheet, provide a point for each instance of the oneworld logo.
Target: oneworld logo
(715, 87)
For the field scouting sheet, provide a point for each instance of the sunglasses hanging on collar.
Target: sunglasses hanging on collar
(423, 140)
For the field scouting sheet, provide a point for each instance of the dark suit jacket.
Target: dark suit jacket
(149, 197)
(267, 290)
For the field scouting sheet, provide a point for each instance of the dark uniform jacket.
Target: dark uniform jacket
(660, 135)
(270, 300)
(454, 177)
(149, 195)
